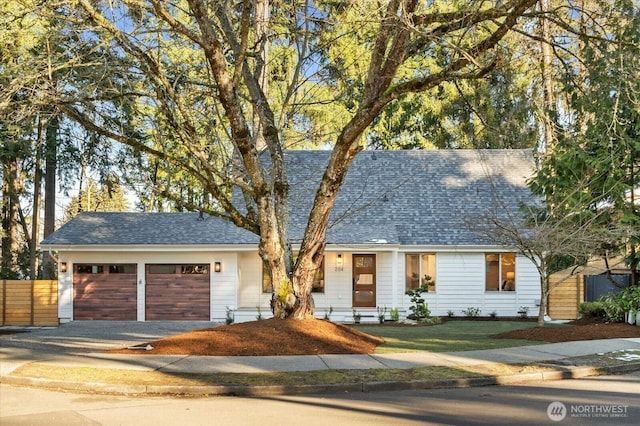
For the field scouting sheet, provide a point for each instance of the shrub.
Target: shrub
(432, 320)
(613, 309)
(471, 312)
(230, 316)
(523, 312)
(394, 314)
(450, 313)
(327, 314)
(419, 309)
(629, 298)
(592, 309)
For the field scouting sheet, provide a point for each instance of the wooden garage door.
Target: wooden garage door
(177, 292)
(104, 292)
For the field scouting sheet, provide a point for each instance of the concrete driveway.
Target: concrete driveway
(83, 337)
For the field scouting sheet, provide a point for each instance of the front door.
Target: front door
(364, 280)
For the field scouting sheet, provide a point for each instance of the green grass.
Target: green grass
(448, 337)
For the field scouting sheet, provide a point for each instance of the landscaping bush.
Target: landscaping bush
(614, 310)
(592, 309)
(613, 307)
(418, 308)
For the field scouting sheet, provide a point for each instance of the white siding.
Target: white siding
(460, 284)
(459, 281)
(250, 282)
(65, 290)
(337, 285)
(223, 285)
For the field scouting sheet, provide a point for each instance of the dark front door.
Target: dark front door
(364, 280)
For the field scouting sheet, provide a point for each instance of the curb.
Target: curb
(275, 390)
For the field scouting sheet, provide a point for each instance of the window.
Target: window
(500, 272)
(89, 269)
(420, 270)
(316, 287)
(162, 269)
(122, 269)
(195, 269)
(187, 269)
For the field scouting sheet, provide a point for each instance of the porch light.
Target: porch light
(63, 267)
(217, 267)
(339, 262)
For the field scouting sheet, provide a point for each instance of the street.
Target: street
(603, 400)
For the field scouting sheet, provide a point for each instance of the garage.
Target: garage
(104, 292)
(177, 292)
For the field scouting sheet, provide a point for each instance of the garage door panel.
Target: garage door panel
(177, 296)
(104, 296)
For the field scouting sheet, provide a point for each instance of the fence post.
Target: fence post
(4, 301)
(33, 296)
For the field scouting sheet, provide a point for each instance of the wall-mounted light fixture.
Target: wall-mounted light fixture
(63, 267)
(217, 267)
(339, 262)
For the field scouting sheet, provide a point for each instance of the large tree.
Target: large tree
(599, 142)
(196, 78)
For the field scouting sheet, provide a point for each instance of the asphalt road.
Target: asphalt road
(604, 400)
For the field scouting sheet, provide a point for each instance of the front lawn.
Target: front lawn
(448, 337)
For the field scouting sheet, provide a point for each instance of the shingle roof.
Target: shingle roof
(413, 198)
(100, 228)
(419, 197)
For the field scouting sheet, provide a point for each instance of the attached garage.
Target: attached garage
(104, 292)
(177, 292)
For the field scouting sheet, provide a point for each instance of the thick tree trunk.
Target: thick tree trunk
(48, 264)
(548, 98)
(8, 264)
(37, 197)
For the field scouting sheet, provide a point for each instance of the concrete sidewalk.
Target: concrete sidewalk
(83, 344)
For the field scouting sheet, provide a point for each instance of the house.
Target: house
(400, 215)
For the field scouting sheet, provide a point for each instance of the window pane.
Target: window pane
(508, 272)
(318, 279)
(122, 269)
(266, 282)
(492, 269)
(428, 269)
(412, 271)
(195, 269)
(162, 269)
(89, 269)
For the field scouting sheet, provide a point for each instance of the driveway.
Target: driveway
(82, 337)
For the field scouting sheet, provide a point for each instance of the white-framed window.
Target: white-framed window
(500, 271)
(420, 270)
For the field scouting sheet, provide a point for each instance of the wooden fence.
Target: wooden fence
(565, 297)
(29, 303)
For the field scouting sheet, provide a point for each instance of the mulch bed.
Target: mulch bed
(583, 329)
(313, 337)
(266, 337)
